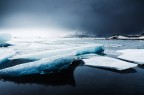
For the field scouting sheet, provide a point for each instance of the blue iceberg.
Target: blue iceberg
(49, 53)
(43, 66)
(49, 61)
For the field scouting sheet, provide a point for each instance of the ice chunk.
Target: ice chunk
(5, 54)
(89, 49)
(43, 66)
(119, 37)
(133, 55)
(108, 62)
(50, 53)
(5, 37)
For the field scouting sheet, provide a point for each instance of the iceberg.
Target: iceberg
(89, 49)
(43, 66)
(108, 62)
(49, 53)
(132, 55)
(118, 37)
(4, 37)
(5, 54)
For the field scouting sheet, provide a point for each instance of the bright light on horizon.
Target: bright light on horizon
(37, 32)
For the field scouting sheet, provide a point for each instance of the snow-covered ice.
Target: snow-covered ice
(49, 53)
(5, 54)
(43, 66)
(133, 55)
(4, 37)
(108, 62)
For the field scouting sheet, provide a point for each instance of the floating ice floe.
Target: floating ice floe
(4, 37)
(133, 55)
(49, 53)
(5, 54)
(43, 66)
(107, 62)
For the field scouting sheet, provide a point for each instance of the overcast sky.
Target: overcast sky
(100, 17)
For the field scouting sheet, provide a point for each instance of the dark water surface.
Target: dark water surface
(80, 79)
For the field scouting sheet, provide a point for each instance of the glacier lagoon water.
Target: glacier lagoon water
(78, 79)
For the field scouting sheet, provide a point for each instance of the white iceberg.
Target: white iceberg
(49, 53)
(4, 37)
(5, 54)
(43, 66)
(108, 62)
(119, 37)
(133, 55)
(141, 37)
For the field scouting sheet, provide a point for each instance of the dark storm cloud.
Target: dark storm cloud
(99, 17)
